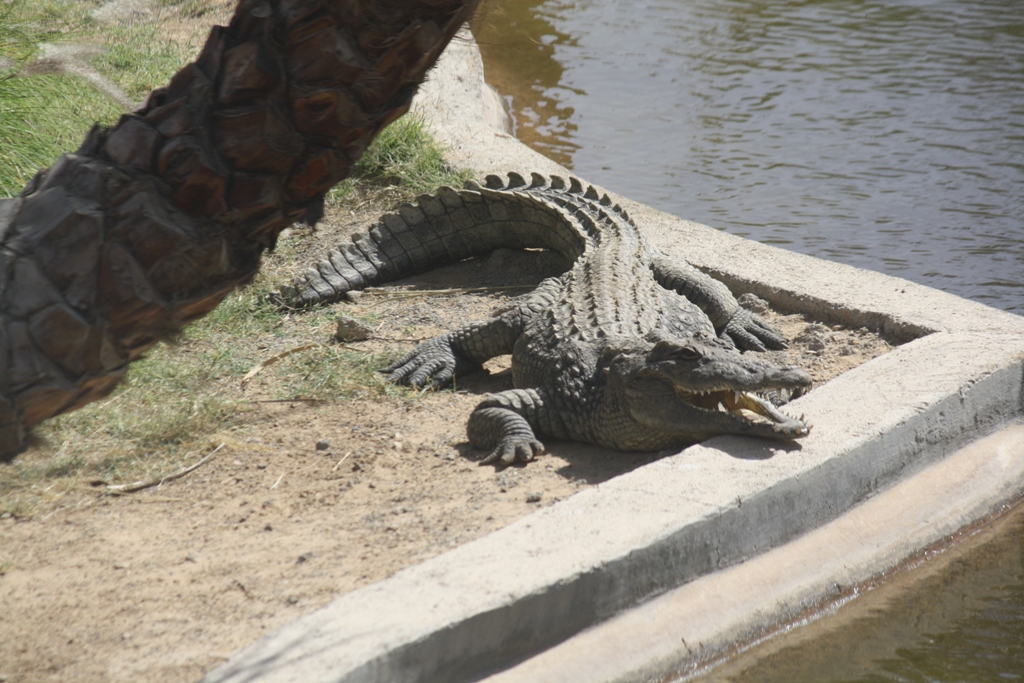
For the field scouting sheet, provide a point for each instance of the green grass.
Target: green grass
(24, 24)
(40, 118)
(330, 373)
(43, 112)
(138, 59)
(405, 159)
(42, 115)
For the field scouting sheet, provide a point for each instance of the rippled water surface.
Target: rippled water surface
(883, 134)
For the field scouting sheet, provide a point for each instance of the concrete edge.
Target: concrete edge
(485, 606)
(678, 633)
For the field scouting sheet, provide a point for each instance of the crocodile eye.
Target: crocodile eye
(688, 353)
(669, 350)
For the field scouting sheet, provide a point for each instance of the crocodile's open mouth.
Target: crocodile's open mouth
(741, 404)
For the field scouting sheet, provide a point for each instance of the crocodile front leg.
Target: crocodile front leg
(438, 361)
(744, 329)
(503, 424)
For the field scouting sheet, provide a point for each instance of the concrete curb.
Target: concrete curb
(675, 634)
(493, 604)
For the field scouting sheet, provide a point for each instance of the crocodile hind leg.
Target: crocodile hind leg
(736, 324)
(503, 425)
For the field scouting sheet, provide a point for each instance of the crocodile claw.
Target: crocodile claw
(432, 364)
(510, 450)
(748, 332)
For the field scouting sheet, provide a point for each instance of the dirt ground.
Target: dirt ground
(306, 501)
(302, 502)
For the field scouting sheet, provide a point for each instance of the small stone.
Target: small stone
(352, 330)
(752, 303)
(268, 527)
(323, 444)
(814, 343)
(815, 337)
(303, 557)
(292, 600)
(533, 498)
(354, 295)
(507, 480)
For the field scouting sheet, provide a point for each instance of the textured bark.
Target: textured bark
(152, 222)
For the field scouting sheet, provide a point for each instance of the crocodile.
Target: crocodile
(627, 349)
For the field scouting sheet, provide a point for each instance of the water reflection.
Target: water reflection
(518, 42)
(888, 134)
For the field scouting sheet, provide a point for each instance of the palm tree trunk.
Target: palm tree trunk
(153, 222)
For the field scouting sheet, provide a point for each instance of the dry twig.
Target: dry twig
(273, 359)
(335, 469)
(121, 489)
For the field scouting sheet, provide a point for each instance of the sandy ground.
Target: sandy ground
(166, 583)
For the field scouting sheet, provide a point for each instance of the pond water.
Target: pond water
(885, 134)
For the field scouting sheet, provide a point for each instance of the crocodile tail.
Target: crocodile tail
(439, 230)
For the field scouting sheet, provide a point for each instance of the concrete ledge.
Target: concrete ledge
(675, 634)
(492, 604)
